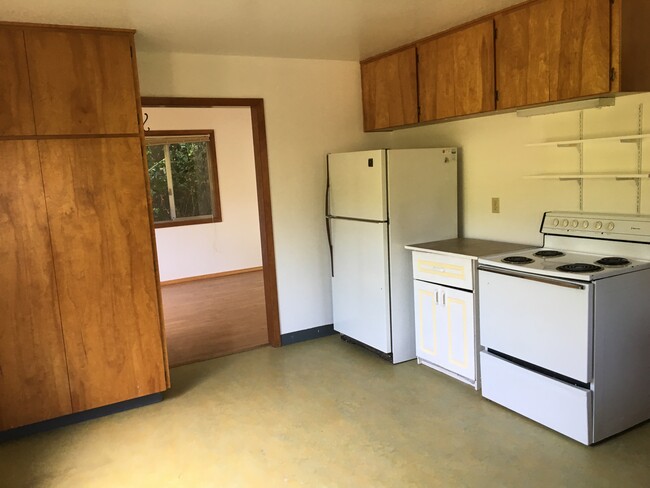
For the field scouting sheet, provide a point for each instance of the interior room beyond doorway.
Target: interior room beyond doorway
(211, 272)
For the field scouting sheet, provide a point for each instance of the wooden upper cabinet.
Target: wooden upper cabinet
(96, 196)
(456, 73)
(16, 114)
(389, 86)
(82, 82)
(552, 50)
(33, 375)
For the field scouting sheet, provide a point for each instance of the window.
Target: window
(183, 177)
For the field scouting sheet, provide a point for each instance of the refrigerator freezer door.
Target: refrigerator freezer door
(357, 185)
(360, 286)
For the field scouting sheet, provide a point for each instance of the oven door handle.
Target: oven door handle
(540, 279)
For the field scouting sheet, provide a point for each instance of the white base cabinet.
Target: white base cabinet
(446, 303)
(444, 330)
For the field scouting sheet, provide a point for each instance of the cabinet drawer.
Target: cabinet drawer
(443, 269)
(562, 407)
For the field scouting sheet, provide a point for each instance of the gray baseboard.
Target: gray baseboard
(79, 417)
(307, 334)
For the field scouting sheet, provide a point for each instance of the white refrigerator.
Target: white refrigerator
(378, 202)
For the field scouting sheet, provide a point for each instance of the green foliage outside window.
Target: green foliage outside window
(190, 168)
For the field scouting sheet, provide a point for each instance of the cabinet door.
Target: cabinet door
(16, 114)
(456, 73)
(552, 50)
(429, 323)
(33, 378)
(96, 197)
(444, 334)
(459, 335)
(389, 86)
(82, 82)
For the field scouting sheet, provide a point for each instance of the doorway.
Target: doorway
(244, 299)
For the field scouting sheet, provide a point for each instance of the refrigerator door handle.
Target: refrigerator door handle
(329, 242)
(328, 227)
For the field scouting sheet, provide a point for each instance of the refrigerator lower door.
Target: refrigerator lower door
(360, 286)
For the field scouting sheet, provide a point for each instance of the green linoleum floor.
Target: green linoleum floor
(322, 413)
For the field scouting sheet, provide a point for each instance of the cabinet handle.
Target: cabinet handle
(437, 299)
(444, 298)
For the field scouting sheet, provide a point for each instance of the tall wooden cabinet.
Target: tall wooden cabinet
(81, 325)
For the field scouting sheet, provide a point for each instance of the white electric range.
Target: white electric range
(565, 329)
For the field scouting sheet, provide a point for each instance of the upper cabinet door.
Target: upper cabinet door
(553, 50)
(456, 73)
(82, 83)
(389, 86)
(16, 113)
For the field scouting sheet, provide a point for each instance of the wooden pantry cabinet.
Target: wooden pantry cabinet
(81, 323)
(537, 52)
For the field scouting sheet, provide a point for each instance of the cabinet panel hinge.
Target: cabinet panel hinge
(496, 95)
(612, 74)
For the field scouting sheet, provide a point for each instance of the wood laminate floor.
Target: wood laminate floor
(214, 317)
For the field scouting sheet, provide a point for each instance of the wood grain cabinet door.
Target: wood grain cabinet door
(96, 197)
(33, 377)
(553, 50)
(456, 73)
(389, 86)
(16, 114)
(82, 82)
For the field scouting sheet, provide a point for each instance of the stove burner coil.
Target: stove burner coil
(579, 268)
(544, 253)
(613, 261)
(518, 260)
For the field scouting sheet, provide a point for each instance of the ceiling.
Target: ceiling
(318, 29)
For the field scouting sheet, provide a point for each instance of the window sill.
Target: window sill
(180, 222)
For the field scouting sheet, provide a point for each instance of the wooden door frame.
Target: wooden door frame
(263, 191)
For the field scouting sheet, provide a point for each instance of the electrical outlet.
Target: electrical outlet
(496, 205)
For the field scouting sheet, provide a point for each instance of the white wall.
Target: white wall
(312, 107)
(234, 243)
(494, 161)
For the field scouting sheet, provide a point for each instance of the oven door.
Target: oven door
(544, 323)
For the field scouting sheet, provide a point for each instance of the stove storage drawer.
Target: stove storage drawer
(443, 269)
(562, 407)
(546, 323)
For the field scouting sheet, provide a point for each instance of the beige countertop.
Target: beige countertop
(474, 248)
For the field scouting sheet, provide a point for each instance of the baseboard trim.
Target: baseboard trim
(213, 275)
(307, 334)
(75, 418)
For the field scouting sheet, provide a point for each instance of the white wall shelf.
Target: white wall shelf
(631, 176)
(576, 142)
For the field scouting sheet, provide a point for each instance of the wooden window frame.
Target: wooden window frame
(214, 184)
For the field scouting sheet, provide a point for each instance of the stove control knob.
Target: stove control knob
(610, 226)
(585, 224)
(575, 224)
(556, 222)
(565, 223)
(598, 225)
